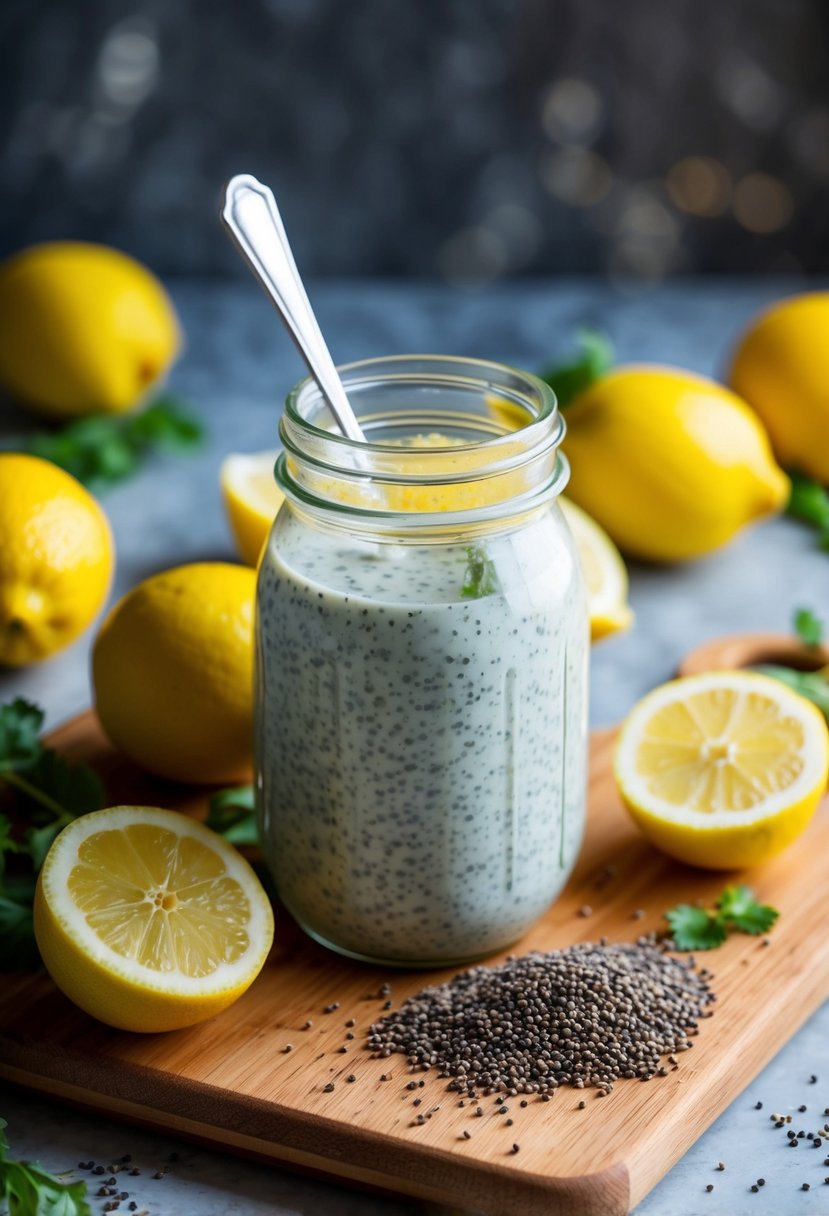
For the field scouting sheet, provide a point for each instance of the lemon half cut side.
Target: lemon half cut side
(148, 920)
(722, 770)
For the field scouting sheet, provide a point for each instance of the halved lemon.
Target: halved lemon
(722, 770)
(252, 499)
(604, 573)
(149, 920)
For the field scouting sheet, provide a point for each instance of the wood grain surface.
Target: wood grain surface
(230, 1083)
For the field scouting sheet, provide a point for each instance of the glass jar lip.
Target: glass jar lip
(547, 413)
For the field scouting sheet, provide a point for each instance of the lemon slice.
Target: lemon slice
(722, 770)
(252, 499)
(149, 920)
(604, 573)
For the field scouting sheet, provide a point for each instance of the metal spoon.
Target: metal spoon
(253, 220)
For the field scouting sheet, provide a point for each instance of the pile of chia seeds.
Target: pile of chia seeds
(583, 1016)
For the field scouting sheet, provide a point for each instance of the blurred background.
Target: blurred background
(459, 139)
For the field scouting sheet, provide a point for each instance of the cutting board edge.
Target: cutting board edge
(488, 1187)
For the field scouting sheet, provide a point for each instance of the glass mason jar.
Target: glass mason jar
(421, 664)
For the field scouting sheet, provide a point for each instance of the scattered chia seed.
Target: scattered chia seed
(759, 1106)
(813, 1079)
(342, 1050)
(515, 1148)
(761, 1182)
(582, 1104)
(330, 1008)
(524, 1102)
(509, 1122)
(582, 1016)
(468, 1136)
(351, 1078)
(805, 1186)
(720, 1165)
(287, 1048)
(307, 1025)
(755, 1188)
(327, 1089)
(802, 1109)
(98, 1170)
(710, 1187)
(351, 1022)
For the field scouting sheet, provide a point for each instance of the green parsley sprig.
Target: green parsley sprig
(106, 449)
(809, 502)
(694, 928)
(808, 627)
(813, 685)
(479, 577)
(26, 1189)
(48, 793)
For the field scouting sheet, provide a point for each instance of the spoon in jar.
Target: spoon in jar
(252, 217)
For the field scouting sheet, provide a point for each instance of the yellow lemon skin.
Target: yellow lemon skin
(727, 848)
(172, 670)
(126, 998)
(56, 559)
(669, 463)
(781, 369)
(84, 329)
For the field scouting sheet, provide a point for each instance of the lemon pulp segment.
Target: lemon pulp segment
(720, 749)
(162, 900)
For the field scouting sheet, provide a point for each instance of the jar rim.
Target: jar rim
(510, 430)
(308, 387)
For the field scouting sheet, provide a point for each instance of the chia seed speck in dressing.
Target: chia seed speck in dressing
(421, 755)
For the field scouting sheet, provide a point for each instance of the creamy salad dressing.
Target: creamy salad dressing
(421, 735)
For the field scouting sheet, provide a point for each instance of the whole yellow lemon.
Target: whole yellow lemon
(83, 329)
(172, 670)
(781, 368)
(669, 463)
(56, 559)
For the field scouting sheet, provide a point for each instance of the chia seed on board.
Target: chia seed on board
(585, 1015)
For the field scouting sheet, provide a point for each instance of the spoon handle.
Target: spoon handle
(252, 217)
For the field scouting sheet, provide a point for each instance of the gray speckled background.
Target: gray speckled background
(440, 137)
(237, 366)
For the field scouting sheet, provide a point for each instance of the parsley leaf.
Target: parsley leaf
(813, 685)
(104, 449)
(808, 627)
(479, 577)
(26, 1189)
(20, 723)
(809, 501)
(738, 908)
(694, 928)
(569, 379)
(48, 793)
(232, 814)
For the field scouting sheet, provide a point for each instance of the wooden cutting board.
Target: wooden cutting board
(229, 1082)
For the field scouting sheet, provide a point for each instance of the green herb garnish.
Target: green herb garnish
(809, 502)
(49, 793)
(232, 814)
(27, 1190)
(808, 627)
(694, 928)
(103, 450)
(479, 577)
(572, 377)
(813, 685)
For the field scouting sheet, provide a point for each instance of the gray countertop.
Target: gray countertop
(237, 367)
